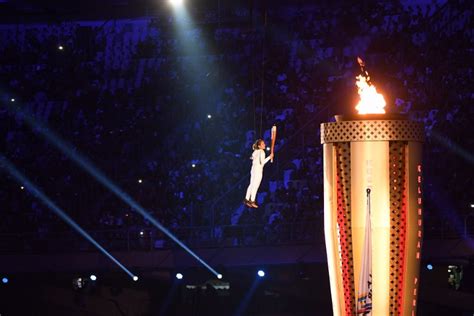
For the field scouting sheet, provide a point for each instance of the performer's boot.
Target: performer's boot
(247, 203)
(253, 204)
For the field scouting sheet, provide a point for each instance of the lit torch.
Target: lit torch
(373, 241)
(274, 136)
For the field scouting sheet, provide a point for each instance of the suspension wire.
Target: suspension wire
(253, 62)
(263, 72)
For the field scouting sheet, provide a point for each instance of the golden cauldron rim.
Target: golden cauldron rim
(371, 117)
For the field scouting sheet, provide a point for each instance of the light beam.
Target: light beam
(19, 177)
(88, 166)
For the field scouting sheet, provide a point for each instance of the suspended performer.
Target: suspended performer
(258, 162)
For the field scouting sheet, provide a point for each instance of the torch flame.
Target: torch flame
(371, 102)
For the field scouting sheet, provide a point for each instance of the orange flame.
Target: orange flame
(371, 102)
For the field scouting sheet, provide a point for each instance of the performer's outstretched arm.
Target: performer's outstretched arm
(262, 158)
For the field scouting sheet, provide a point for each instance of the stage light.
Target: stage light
(472, 205)
(141, 233)
(429, 266)
(209, 116)
(140, 180)
(193, 165)
(12, 99)
(268, 148)
(78, 283)
(219, 276)
(60, 47)
(5, 280)
(176, 2)
(179, 276)
(261, 273)
(93, 277)
(135, 278)
(22, 187)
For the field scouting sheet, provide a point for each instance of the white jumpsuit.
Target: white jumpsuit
(256, 174)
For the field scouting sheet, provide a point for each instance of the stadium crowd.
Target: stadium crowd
(173, 126)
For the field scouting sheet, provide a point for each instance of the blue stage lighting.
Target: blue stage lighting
(219, 276)
(88, 166)
(5, 280)
(179, 276)
(93, 277)
(20, 178)
(135, 278)
(429, 266)
(261, 273)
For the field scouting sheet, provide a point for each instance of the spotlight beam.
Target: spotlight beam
(22, 179)
(88, 166)
(453, 147)
(247, 298)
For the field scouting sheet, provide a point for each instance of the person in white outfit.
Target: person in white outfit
(256, 174)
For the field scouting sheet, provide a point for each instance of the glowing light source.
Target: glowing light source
(176, 2)
(209, 116)
(261, 273)
(193, 165)
(22, 188)
(12, 99)
(219, 276)
(135, 278)
(472, 205)
(140, 180)
(429, 266)
(268, 148)
(93, 277)
(142, 233)
(60, 47)
(4, 280)
(179, 276)
(371, 102)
